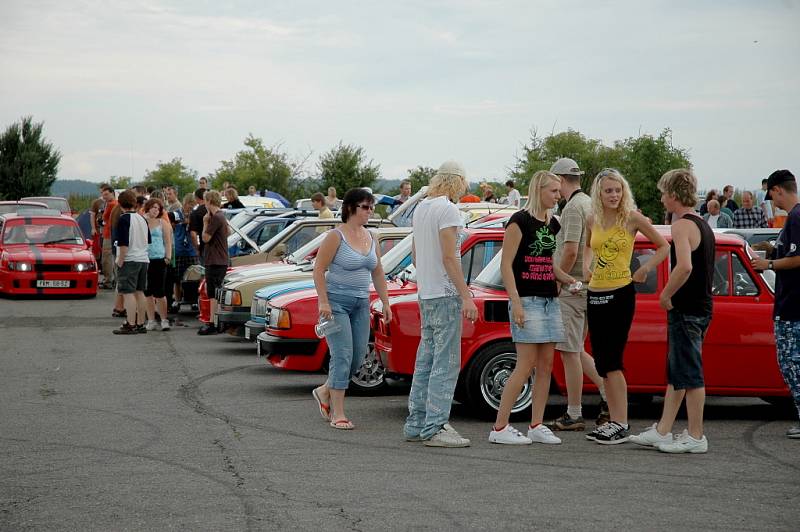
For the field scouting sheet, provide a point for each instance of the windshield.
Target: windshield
(767, 275)
(59, 204)
(42, 232)
(234, 237)
(397, 258)
(491, 276)
(306, 250)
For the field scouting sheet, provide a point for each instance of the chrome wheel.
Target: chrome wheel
(371, 375)
(493, 378)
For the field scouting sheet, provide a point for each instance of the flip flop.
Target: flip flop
(324, 409)
(342, 424)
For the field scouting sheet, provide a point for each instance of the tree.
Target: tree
(642, 160)
(28, 164)
(173, 173)
(261, 167)
(420, 176)
(120, 182)
(345, 167)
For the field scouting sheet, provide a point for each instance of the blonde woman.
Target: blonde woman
(531, 279)
(443, 299)
(611, 228)
(159, 251)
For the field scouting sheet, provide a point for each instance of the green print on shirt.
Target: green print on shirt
(545, 241)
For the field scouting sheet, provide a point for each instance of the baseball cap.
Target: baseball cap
(779, 177)
(565, 166)
(453, 168)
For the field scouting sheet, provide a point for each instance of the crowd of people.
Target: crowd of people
(757, 209)
(566, 277)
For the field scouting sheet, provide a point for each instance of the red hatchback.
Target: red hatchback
(738, 354)
(45, 255)
(295, 346)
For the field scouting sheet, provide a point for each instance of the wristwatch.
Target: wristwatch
(770, 266)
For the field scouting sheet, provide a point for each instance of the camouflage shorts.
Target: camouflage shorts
(787, 344)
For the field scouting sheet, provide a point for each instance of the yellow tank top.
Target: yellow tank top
(612, 250)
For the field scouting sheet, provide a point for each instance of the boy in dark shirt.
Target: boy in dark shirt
(215, 252)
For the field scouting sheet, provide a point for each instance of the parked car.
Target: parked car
(236, 294)
(45, 255)
(52, 202)
(10, 207)
(290, 342)
(754, 236)
(738, 353)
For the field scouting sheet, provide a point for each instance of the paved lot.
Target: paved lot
(176, 431)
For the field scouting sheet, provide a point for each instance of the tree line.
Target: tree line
(29, 165)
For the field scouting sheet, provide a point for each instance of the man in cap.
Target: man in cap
(570, 243)
(785, 261)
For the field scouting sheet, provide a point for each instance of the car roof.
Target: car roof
(665, 231)
(47, 216)
(24, 202)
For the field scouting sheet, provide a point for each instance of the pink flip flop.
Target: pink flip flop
(324, 409)
(342, 424)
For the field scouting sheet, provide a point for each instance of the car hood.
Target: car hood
(267, 278)
(26, 253)
(274, 290)
(260, 271)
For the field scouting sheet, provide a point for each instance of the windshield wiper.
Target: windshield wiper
(59, 241)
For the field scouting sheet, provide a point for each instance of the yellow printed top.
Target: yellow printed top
(612, 249)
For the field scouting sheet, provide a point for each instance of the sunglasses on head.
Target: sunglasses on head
(367, 207)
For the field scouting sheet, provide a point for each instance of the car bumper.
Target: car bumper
(270, 345)
(32, 283)
(234, 318)
(252, 329)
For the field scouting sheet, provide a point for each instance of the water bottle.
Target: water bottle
(575, 287)
(326, 326)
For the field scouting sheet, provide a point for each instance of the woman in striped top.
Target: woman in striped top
(347, 262)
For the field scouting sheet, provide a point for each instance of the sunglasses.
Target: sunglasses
(367, 207)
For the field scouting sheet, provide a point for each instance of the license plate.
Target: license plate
(247, 333)
(216, 320)
(52, 284)
(258, 349)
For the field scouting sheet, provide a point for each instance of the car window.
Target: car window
(266, 232)
(639, 258)
(476, 259)
(743, 282)
(388, 243)
(300, 238)
(721, 282)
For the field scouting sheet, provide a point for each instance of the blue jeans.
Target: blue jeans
(787, 344)
(685, 335)
(348, 346)
(437, 366)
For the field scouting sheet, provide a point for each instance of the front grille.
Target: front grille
(52, 267)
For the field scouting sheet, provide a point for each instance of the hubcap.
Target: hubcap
(493, 381)
(371, 374)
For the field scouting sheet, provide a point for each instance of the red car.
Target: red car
(738, 354)
(295, 346)
(45, 255)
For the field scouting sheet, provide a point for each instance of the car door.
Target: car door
(739, 348)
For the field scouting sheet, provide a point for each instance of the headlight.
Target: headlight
(20, 266)
(84, 267)
(231, 297)
(259, 307)
(279, 319)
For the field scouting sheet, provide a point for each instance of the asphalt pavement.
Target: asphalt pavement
(171, 430)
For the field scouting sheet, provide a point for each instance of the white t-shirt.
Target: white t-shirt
(514, 197)
(712, 220)
(433, 215)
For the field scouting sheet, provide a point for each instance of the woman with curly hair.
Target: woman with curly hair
(610, 232)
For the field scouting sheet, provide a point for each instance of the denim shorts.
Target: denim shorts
(685, 356)
(543, 323)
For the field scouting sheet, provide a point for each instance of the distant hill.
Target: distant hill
(65, 187)
(384, 186)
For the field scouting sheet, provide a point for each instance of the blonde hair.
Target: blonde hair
(626, 203)
(445, 184)
(539, 180)
(213, 197)
(681, 184)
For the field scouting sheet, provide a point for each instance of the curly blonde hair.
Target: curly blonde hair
(626, 204)
(680, 184)
(539, 180)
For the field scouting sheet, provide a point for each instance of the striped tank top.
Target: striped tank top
(350, 272)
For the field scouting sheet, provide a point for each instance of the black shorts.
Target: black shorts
(610, 315)
(156, 279)
(215, 276)
(132, 277)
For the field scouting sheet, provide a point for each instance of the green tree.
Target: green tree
(420, 176)
(173, 173)
(642, 160)
(120, 182)
(345, 167)
(260, 166)
(28, 164)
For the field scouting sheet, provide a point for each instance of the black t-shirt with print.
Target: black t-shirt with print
(787, 282)
(533, 263)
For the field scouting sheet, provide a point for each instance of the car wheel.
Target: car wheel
(486, 379)
(371, 376)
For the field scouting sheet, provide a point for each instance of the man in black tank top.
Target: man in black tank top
(687, 300)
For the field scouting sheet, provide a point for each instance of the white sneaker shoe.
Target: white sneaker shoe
(509, 436)
(651, 437)
(542, 434)
(151, 325)
(165, 325)
(447, 437)
(685, 444)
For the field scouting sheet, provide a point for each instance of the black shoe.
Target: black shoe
(604, 416)
(119, 313)
(141, 329)
(592, 436)
(612, 434)
(566, 422)
(125, 328)
(207, 329)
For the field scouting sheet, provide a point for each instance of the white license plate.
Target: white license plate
(247, 333)
(258, 349)
(216, 320)
(52, 284)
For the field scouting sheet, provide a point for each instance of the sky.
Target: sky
(121, 86)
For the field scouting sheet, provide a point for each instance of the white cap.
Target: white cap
(565, 166)
(452, 168)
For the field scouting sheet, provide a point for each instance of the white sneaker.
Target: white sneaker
(165, 325)
(151, 325)
(509, 436)
(685, 444)
(447, 437)
(542, 434)
(651, 437)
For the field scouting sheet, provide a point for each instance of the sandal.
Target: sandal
(119, 313)
(324, 409)
(342, 424)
